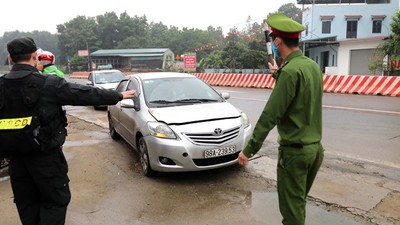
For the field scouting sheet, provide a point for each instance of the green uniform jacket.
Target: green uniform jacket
(53, 69)
(295, 105)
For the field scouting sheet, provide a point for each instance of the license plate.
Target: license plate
(220, 151)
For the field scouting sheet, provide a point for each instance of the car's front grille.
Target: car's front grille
(217, 137)
(216, 160)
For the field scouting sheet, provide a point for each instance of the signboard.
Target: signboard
(83, 52)
(189, 61)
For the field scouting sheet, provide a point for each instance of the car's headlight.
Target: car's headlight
(160, 130)
(246, 121)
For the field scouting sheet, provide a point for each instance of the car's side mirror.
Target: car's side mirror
(127, 103)
(225, 95)
(133, 103)
(89, 83)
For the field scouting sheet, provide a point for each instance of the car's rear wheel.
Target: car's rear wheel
(113, 133)
(144, 158)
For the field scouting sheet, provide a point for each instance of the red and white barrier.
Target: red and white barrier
(353, 84)
(237, 80)
(365, 85)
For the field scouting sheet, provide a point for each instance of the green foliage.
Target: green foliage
(78, 63)
(254, 59)
(214, 60)
(392, 46)
(43, 39)
(239, 49)
(291, 11)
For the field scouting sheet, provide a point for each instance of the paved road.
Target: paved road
(360, 127)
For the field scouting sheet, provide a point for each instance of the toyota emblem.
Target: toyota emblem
(218, 131)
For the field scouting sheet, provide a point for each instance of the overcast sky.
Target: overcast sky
(30, 15)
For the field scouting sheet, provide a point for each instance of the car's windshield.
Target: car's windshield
(178, 91)
(108, 77)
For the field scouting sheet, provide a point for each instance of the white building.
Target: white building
(342, 35)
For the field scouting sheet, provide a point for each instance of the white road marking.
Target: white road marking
(335, 107)
(362, 110)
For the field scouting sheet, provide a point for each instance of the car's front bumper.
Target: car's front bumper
(187, 156)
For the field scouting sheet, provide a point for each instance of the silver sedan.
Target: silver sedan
(177, 122)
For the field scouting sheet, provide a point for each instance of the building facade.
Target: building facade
(342, 35)
(145, 59)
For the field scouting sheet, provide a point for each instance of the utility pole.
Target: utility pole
(88, 52)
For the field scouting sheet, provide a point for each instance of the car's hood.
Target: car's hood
(108, 85)
(193, 113)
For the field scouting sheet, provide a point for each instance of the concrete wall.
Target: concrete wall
(312, 19)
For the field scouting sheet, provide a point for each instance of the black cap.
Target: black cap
(23, 45)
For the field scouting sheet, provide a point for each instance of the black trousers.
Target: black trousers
(40, 186)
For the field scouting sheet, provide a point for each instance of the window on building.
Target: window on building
(326, 23)
(351, 31)
(377, 23)
(326, 27)
(376, 26)
(352, 23)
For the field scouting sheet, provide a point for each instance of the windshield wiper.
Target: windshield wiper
(194, 100)
(162, 102)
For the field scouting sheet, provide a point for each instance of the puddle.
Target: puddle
(4, 178)
(265, 208)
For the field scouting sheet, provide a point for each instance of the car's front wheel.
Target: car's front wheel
(113, 133)
(144, 158)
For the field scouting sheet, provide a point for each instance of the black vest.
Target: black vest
(20, 113)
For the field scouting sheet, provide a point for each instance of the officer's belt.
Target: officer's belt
(298, 145)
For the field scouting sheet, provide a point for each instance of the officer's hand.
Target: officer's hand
(273, 67)
(242, 159)
(128, 94)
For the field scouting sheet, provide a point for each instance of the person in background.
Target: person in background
(46, 62)
(295, 107)
(33, 131)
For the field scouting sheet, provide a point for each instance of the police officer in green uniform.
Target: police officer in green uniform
(33, 130)
(295, 107)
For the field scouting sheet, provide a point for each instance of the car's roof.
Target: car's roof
(105, 71)
(156, 75)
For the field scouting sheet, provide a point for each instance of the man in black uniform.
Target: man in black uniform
(33, 130)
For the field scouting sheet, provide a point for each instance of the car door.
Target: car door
(128, 116)
(115, 110)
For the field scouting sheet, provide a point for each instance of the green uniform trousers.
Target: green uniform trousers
(297, 169)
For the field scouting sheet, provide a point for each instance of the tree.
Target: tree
(214, 60)
(107, 28)
(254, 59)
(78, 63)
(233, 50)
(391, 47)
(291, 11)
(78, 34)
(43, 39)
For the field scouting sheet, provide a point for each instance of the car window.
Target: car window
(178, 91)
(122, 86)
(108, 77)
(133, 85)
